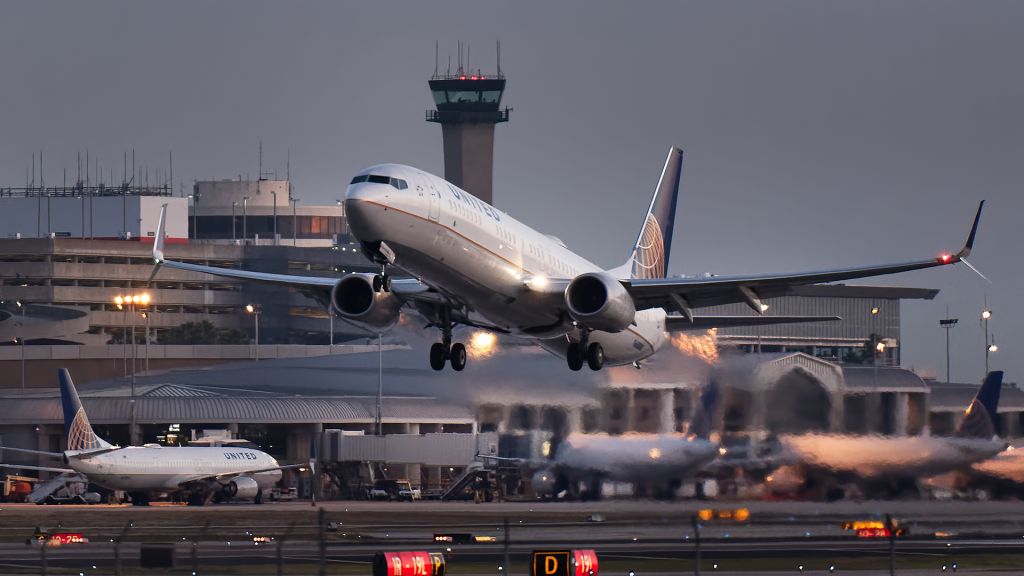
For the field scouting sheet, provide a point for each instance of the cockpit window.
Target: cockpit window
(375, 179)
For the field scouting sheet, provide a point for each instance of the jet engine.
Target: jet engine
(547, 484)
(240, 487)
(597, 300)
(354, 299)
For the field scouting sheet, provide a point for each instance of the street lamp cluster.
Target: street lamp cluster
(128, 303)
(256, 310)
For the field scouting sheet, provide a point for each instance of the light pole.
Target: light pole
(274, 194)
(195, 215)
(127, 303)
(295, 221)
(245, 219)
(255, 310)
(120, 302)
(990, 346)
(233, 206)
(947, 323)
(145, 316)
(21, 305)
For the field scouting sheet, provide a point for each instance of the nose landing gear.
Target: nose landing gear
(382, 281)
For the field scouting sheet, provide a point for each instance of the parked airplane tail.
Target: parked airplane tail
(980, 420)
(704, 414)
(79, 433)
(649, 257)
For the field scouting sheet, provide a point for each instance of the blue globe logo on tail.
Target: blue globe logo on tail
(649, 259)
(80, 435)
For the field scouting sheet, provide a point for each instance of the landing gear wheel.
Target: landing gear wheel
(437, 356)
(259, 498)
(378, 283)
(386, 283)
(595, 356)
(458, 356)
(574, 357)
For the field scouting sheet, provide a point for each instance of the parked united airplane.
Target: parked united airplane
(201, 473)
(474, 265)
(891, 464)
(655, 463)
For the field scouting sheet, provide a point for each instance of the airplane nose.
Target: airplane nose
(364, 205)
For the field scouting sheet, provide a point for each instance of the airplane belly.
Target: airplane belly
(488, 283)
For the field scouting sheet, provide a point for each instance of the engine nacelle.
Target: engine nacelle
(545, 483)
(240, 487)
(354, 300)
(599, 301)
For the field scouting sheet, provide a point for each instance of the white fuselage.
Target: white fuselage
(887, 456)
(465, 247)
(155, 469)
(634, 457)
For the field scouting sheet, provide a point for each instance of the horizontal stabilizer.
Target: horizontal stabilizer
(680, 323)
(58, 455)
(38, 468)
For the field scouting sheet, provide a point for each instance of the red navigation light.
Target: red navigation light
(483, 77)
(472, 77)
(462, 77)
(945, 258)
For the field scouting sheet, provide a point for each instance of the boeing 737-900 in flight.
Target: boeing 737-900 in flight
(201, 473)
(471, 264)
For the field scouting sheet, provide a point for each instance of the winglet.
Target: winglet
(966, 250)
(158, 243)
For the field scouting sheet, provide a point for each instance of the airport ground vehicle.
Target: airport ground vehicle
(386, 489)
(17, 488)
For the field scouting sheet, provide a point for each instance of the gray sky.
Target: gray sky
(817, 134)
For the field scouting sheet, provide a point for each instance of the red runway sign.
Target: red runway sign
(408, 564)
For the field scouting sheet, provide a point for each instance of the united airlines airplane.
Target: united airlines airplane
(201, 473)
(471, 264)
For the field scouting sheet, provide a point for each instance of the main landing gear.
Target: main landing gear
(579, 352)
(444, 351)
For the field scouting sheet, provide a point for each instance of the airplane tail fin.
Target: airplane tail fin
(704, 414)
(980, 419)
(649, 257)
(78, 431)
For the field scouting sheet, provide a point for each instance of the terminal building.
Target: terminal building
(436, 428)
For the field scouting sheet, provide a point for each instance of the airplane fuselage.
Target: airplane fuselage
(486, 259)
(886, 456)
(154, 469)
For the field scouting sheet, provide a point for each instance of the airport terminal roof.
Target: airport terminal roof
(254, 409)
(883, 379)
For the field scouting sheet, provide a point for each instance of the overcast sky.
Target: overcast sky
(817, 134)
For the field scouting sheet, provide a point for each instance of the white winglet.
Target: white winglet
(158, 243)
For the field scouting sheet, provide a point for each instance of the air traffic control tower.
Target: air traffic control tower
(468, 107)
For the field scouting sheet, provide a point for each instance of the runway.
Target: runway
(644, 536)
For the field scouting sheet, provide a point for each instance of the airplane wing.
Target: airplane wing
(681, 323)
(57, 455)
(40, 468)
(685, 294)
(407, 288)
